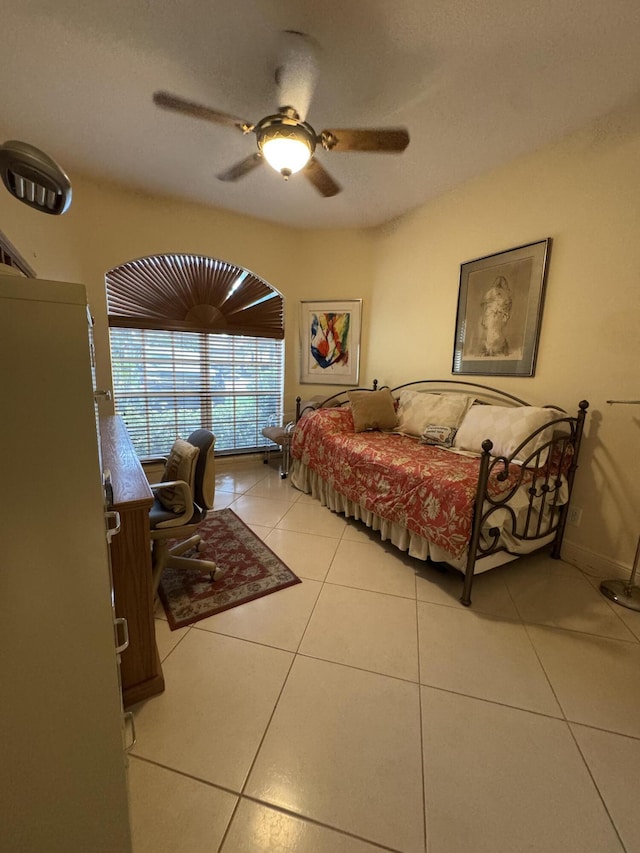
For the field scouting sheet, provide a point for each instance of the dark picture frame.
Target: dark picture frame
(500, 312)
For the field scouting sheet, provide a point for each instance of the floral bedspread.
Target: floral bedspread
(428, 490)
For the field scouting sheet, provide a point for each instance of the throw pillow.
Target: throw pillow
(507, 428)
(181, 465)
(372, 409)
(417, 409)
(439, 436)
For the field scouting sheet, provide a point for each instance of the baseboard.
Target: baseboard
(592, 563)
(248, 458)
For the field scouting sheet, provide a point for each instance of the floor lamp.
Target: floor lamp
(626, 593)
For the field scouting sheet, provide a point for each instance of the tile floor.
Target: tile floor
(365, 709)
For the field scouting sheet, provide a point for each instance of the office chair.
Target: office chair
(181, 502)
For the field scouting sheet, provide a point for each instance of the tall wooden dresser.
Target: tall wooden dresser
(141, 671)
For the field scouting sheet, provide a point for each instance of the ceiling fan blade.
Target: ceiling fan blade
(241, 169)
(180, 105)
(321, 179)
(382, 139)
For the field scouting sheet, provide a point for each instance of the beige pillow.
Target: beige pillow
(417, 409)
(181, 465)
(372, 409)
(507, 428)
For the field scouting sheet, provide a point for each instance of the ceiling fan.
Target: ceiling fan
(285, 140)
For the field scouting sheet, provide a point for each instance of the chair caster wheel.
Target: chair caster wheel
(200, 547)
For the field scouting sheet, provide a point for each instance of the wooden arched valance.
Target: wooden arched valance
(190, 293)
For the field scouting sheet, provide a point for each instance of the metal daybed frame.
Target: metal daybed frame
(545, 482)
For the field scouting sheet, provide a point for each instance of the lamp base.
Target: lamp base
(622, 593)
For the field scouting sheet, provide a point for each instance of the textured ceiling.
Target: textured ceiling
(476, 84)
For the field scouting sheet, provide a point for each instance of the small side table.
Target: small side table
(280, 435)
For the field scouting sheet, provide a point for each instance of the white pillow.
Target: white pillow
(417, 410)
(507, 428)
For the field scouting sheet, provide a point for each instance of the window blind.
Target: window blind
(168, 383)
(193, 293)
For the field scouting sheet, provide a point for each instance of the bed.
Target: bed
(452, 472)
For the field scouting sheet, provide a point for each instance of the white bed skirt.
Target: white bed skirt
(308, 481)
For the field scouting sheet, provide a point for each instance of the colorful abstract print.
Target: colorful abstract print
(330, 339)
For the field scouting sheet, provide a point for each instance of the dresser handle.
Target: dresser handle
(112, 531)
(121, 622)
(129, 718)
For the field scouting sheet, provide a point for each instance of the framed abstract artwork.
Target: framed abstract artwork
(330, 341)
(499, 312)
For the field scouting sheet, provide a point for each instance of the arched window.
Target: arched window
(195, 342)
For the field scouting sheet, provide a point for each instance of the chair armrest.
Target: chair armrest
(182, 485)
(153, 460)
(184, 489)
(177, 519)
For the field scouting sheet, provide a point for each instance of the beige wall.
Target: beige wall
(106, 226)
(585, 194)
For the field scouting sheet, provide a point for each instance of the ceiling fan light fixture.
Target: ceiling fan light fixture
(286, 144)
(286, 155)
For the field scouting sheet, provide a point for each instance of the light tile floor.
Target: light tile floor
(365, 709)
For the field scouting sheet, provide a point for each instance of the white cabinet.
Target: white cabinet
(63, 778)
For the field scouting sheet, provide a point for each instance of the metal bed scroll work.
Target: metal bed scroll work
(544, 514)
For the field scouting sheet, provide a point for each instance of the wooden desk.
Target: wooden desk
(141, 671)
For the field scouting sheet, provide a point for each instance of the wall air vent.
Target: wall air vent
(34, 178)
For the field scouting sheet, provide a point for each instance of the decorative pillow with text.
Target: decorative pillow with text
(439, 436)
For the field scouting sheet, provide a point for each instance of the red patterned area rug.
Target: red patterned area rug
(251, 570)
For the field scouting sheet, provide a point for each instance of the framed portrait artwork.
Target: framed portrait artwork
(499, 312)
(330, 341)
